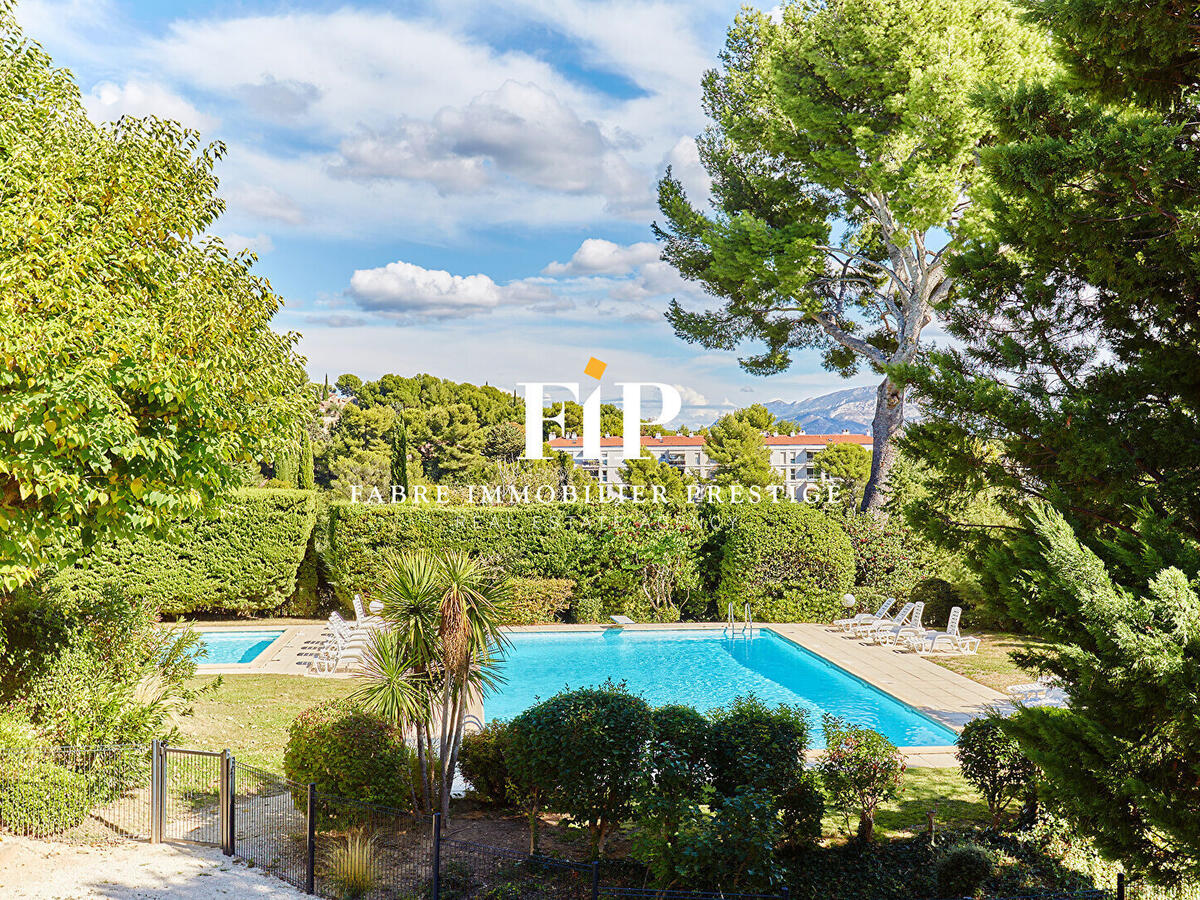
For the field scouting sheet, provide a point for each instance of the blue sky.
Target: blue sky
(460, 188)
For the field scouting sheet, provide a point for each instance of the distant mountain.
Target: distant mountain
(848, 410)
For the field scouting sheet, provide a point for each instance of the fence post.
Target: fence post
(223, 805)
(231, 813)
(310, 874)
(158, 758)
(437, 856)
(1120, 886)
(595, 879)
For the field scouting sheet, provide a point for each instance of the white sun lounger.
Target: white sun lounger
(891, 634)
(868, 630)
(866, 618)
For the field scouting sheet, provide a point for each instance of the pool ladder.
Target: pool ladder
(731, 625)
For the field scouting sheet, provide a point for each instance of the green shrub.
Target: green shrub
(16, 730)
(349, 753)
(939, 598)
(859, 770)
(536, 601)
(39, 798)
(993, 763)
(244, 558)
(587, 610)
(962, 870)
(481, 761)
(678, 758)
(888, 555)
(353, 868)
(772, 550)
(801, 809)
(755, 746)
(584, 752)
(795, 606)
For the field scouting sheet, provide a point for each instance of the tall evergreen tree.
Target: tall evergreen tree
(307, 477)
(1075, 401)
(400, 451)
(843, 156)
(740, 454)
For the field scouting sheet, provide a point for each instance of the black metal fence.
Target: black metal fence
(325, 845)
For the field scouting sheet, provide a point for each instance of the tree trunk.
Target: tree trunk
(422, 733)
(866, 827)
(889, 419)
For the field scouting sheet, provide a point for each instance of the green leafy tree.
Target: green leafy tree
(860, 769)
(505, 442)
(650, 472)
(843, 153)
(139, 368)
(993, 763)
(349, 386)
(740, 454)
(847, 464)
(447, 439)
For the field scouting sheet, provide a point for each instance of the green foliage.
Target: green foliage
(736, 448)
(847, 464)
(801, 810)
(678, 758)
(482, 762)
(307, 480)
(851, 118)
(139, 367)
(754, 746)
(773, 550)
(349, 753)
(962, 869)
(798, 606)
(587, 610)
(888, 556)
(537, 601)
(994, 764)
(353, 868)
(939, 598)
(651, 473)
(243, 557)
(39, 798)
(860, 769)
(583, 751)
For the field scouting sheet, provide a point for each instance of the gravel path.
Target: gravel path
(128, 870)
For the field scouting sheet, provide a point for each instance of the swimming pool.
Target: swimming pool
(226, 647)
(704, 670)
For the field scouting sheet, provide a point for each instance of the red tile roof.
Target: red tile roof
(696, 441)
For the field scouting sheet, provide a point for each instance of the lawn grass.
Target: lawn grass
(954, 802)
(250, 714)
(991, 665)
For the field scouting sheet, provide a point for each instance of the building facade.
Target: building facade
(791, 456)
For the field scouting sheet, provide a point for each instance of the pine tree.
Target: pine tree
(307, 476)
(740, 454)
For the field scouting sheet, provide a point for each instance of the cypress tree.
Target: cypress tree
(400, 451)
(307, 477)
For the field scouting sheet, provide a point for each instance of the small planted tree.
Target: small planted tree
(860, 770)
(588, 750)
(994, 764)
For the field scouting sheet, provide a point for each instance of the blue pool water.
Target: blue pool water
(704, 670)
(226, 647)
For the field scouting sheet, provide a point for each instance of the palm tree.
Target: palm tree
(444, 613)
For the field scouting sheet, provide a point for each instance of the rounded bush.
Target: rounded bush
(939, 598)
(349, 753)
(801, 809)
(481, 761)
(776, 549)
(795, 606)
(962, 870)
(753, 746)
(678, 754)
(993, 763)
(887, 553)
(39, 798)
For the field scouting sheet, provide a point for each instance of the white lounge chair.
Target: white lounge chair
(1037, 690)
(869, 629)
(852, 623)
(365, 619)
(950, 636)
(894, 633)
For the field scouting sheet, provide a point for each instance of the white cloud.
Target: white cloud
(259, 243)
(266, 202)
(404, 290)
(108, 101)
(517, 131)
(597, 256)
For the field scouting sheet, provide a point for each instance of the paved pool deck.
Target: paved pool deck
(945, 696)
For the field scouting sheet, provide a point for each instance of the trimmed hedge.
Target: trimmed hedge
(529, 541)
(536, 601)
(243, 559)
(780, 550)
(40, 798)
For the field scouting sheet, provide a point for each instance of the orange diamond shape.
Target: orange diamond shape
(595, 368)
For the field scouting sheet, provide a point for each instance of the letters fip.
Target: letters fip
(631, 392)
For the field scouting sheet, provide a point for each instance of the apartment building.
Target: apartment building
(791, 455)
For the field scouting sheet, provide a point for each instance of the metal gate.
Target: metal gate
(190, 792)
